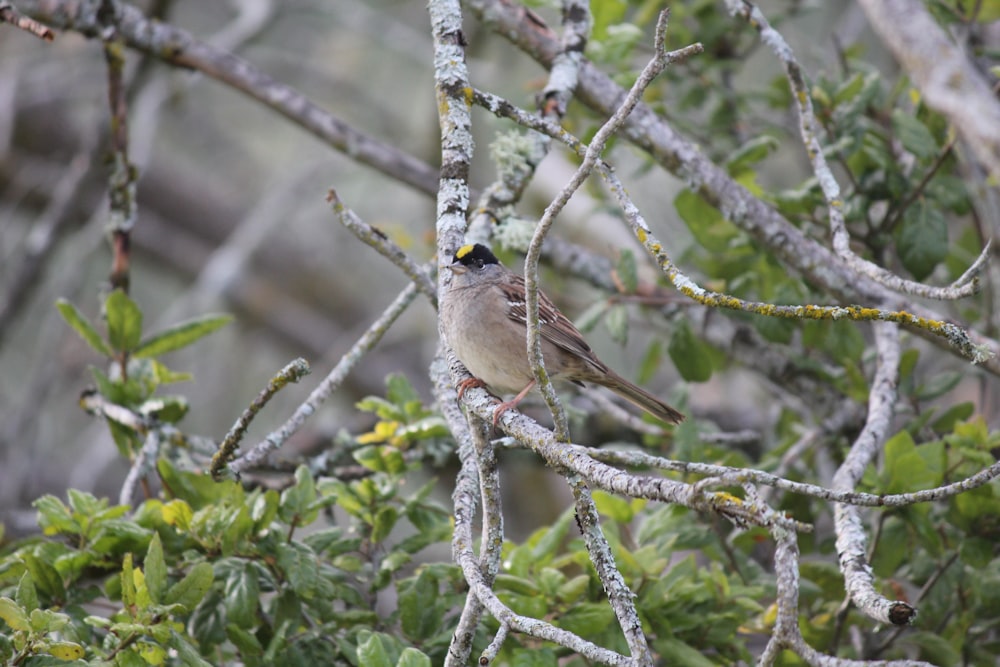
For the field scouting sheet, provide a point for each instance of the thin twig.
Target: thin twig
(293, 372)
(385, 246)
(661, 60)
(10, 15)
(144, 463)
(330, 383)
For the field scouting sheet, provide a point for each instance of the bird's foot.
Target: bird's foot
(469, 383)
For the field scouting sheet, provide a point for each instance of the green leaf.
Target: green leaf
(593, 314)
(187, 653)
(976, 552)
(189, 591)
(385, 521)
(54, 516)
(152, 654)
(690, 355)
(417, 621)
(26, 596)
(242, 594)
(127, 579)
(956, 413)
(155, 569)
(372, 653)
(922, 240)
(119, 535)
(616, 321)
(750, 153)
(913, 134)
(297, 501)
(518, 585)
(552, 538)
(938, 385)
(373, 457)
(65, 651)
(708, 226)
(411, 657)
(246, 642)
(124, 321)
(180, 335)
(534, 657)
(935, 648)
(82, 326)
(588, 619)
(13, 615)
(44, 576)
(910, 468)
(650, 362)
(615, 507)
(627, 271)
(301, 568)
(399, 390)
(86, 504)
(675, 652)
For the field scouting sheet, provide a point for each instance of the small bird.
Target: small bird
(484, 319)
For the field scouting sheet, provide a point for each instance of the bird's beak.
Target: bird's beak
(457, 268)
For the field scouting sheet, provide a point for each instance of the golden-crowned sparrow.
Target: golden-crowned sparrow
(483, 316)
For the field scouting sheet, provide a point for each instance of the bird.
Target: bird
(483, 315)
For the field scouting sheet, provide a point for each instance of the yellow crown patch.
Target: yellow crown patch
(464, 250)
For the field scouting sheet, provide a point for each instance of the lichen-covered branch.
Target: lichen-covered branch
(851, 540)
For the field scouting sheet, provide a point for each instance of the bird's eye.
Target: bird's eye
(480, 264)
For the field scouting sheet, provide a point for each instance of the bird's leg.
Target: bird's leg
(507, 405)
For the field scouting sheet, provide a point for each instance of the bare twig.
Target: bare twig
(144, 463)
(330, 383)
(620, 597)
(516, 167)
(122, 180)
(376, 238)
(293, 372)
(10, 15)
(41, 243)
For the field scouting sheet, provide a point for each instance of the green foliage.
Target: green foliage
(134, 374)
(218, 574)
(685, 608)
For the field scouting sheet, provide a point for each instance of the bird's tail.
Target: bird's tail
(642, 398)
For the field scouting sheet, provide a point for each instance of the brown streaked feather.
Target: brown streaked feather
(555, 327)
